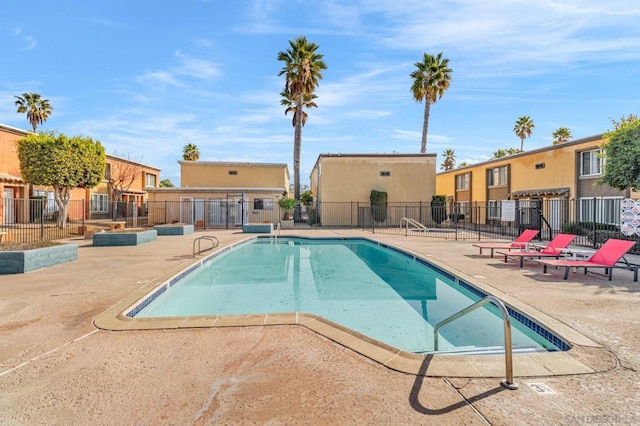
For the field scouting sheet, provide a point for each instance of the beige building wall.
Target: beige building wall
(212, 174)
(550, 173)
(222, 194)
(542, 169)
(350, 178)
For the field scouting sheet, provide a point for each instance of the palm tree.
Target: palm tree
(36, 108)
(190, 152)
(449, 159)
(288, 101)
(463, 164)
(523, 128)
(430, 80)
(302, 70)
(561, 135)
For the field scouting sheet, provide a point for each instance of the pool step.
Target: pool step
(488, 350)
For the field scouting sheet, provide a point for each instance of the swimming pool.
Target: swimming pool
(370, 287)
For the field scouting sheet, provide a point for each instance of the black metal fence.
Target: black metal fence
(592, 220)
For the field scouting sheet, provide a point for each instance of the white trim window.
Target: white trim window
(99, 203)
(263, 203)
(462, 182)
(493, 209)
(601, 209)
(591, 163)
(150, 179)
(497, 176)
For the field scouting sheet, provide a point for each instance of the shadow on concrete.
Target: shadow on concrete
(414, 396)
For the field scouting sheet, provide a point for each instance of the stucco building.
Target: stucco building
(221, 194)
(560, 181)
(337, 179)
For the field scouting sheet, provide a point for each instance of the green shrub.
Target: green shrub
(601, 236)
(378, 201)
(439, 208)
(584, 228)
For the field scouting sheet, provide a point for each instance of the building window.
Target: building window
(497, 176)
(150, 180)
(601, 210)
(385, 173)
(493, 209)
(99, 203)
(591, 163)
(107, 172)
(462, 182)
(263, 203)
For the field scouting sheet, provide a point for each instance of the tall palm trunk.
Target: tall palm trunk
(425, 126)
(297, 147)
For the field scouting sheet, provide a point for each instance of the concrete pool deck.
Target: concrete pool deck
(56, 366)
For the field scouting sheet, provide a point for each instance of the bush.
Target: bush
(378, 201)
(584, 228)
(601, 236)
(439, 208)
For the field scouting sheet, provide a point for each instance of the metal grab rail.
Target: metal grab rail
(276, 231)
(214, 241)
(508, 349)
(408, 221)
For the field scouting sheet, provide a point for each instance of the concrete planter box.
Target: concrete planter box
(105, 239)
(257, 228)
(287, 224)
(20, 261)
(174, 229)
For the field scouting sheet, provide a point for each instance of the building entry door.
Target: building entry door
(9, 211)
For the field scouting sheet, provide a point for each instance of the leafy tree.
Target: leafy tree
(302, 69)
(631, 118)
(500, 153)
(36, 108)
(430, 80)
(190, 152)
(449, 161)
(306, 197)
(622, 156)
(61, 162)
(561, 135)
(166, 183)
(523, 129)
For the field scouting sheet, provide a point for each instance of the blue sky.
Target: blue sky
(147, 77)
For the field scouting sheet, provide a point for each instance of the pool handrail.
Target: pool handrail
(214, 241)
(508, 348)
(408, 221)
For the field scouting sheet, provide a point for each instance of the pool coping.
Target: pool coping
(430, 365)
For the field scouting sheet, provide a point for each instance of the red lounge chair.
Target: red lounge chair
(552, 249)
(517, 244)
(606, 257)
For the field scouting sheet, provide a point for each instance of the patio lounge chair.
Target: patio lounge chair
(553, 249)
(607, 257)
(517, 244)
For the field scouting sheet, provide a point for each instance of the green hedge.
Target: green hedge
(378, 201)
(584, 228)
(601, 236)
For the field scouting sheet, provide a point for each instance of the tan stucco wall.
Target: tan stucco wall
(348, 178)
(560, 170)
(342, 182)
(211, 174)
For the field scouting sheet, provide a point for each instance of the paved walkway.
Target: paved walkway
(57, 367)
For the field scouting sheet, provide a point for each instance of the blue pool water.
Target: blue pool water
(376, 290)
